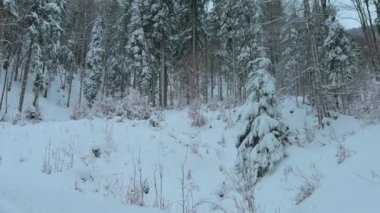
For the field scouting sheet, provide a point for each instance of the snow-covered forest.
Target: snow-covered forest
(189, 106)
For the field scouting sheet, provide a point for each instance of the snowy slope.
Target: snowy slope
(352, 185)
(80, 182)
(23, 149)
(53, 108)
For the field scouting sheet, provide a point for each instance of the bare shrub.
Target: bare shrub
(213, 105)
(194, 147)
(33, 114)
(79, 112)
(187, 189)
(105, 107)
(342, 154)
(156, 118)
(197, 119)
(138, 186)
(57, 160)
(133, 107)
(82, 178)
(159, 199)
(309, 132)
(309, 183)
(244, 180)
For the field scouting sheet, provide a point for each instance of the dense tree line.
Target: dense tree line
(181, 52)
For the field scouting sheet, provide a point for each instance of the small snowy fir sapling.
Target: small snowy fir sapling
(265, 136)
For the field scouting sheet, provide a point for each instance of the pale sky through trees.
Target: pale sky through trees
(347, 14)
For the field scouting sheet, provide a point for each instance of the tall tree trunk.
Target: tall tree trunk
(163, 75)
(220, 83)
(69, 94)
(46, 88)
(194, 43)
(5, 67)
(311, 63)
(84, 52)
(25, 77)
(16, 68)
(212, 80)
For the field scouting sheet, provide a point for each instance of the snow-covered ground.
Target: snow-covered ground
(51, 166)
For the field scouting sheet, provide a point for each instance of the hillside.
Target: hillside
(51, 166)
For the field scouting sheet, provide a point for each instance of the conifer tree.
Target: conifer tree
(265, 136)
(138, 56)
(94, 62)
(339, 61)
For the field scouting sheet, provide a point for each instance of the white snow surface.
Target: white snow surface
(80, 182)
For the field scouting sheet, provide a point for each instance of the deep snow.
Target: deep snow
(351, 186)
(80, 182)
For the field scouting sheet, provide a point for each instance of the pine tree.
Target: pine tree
(188, 41)
(265, 136)
(52, 29)
(158, 20)
(94, 63)
(340, 62)
(240, 35)
(138, 56)
(117, 76)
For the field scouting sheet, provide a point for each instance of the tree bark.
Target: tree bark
(25, 77)
(163, 75)
(5, 67)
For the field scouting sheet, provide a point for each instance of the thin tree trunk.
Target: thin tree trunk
(163, 83)
(69, 95)
(16, 69)
(46, 84)
(212, 58)
(220, 83)
(25, 77)
(5, 84)
(194, 43)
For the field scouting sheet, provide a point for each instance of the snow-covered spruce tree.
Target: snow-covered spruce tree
(158, 20)
(117, 76)
(138, 57)
(252, 34)
(114, 43)
(340, 61)
(54, 12)
(240, 32)
(94, 63)
(262, 143)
